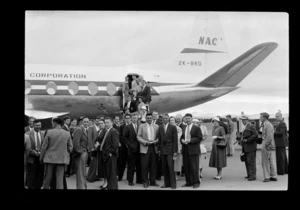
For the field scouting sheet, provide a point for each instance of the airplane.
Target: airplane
(57, 90)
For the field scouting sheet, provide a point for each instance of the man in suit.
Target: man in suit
(123, 152)
(148, 138)
(145, 93)
(67, 122)
(268, 156)
(27, 147)
(229, 146)
(35, 169)
(130, 105)
(190, 140)
(134, 157)
(109, 149)
(81, 149)
(30, 125)
(159, 171)
(280, 137)
(55, 153)
(248, 141)
(168, 147)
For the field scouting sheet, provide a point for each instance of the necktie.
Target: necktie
(38, 141)
(165, 128)
(188, 135)
(134, 125)
(151, 133)
(103, 140)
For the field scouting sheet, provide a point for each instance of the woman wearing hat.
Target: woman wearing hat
(218, 154)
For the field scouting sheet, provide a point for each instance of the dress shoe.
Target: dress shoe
(145, 185)
(130, 184)
(196, 186)
(103, 188)
(186, 185)
(217, 177)
(173, 188)
(154, 184)
(164, 186)
(251, 179)
(273, 179)
(247, 177)
(266, 180)
(67, 175)
(139, 182)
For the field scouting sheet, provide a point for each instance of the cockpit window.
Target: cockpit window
(93, 89)
(27, 87)
(51, 88)
(73, 88)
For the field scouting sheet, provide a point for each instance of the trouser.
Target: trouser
(191, 167)
(150, 156)
(250, 162)
(110, 172)
(81, 170)
(35, 174)
(68, 171)
(134, 163)
(281, 161)
(56, 170)
(53, 181)
(122, 160)
(268, 163)
(159, 171)
(229, 146)
(168, 170)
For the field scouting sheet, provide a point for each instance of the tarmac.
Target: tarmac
(232, 178)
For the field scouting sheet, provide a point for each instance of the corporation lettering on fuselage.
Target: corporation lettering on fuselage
(56, 76)
(207, 40)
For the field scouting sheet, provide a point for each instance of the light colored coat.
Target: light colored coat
(268, 136)
(56, 147)
(32, 150)
(142, 137)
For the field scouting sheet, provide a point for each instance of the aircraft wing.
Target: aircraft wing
(234, 72)
(43, 114)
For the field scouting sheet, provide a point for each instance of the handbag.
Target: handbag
(243, 157)
(221, 144)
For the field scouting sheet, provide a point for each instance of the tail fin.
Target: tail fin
(234, 72)
(207, 36)
(206, 39)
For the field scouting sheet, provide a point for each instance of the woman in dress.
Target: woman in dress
(178, 160)
(218, 154)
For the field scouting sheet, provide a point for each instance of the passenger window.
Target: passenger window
(73, 88)
(27, 87)
(93, 88)
(51, 88)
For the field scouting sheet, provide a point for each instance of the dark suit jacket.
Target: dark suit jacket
(251, 135)
(280, 135)
(130, 138)
(31, 154)
(146, 94)
(65, 128)
(181, 125)
(111, 144)
(80, 141)
(121, 136)
(167, 141)
(196, 137)
(132, 107)
(92, 135)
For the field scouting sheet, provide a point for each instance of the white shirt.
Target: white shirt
(186, 130)
(67, 127)
(150, 131)
(128, 104)
(35, 137)
(166, 127)
(135, 127)
(97, 128)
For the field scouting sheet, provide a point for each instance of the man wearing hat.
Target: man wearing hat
(268, 156)
(248, 141)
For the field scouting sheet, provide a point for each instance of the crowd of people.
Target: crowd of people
(150, 146)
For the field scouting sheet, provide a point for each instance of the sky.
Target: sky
(120, 38)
